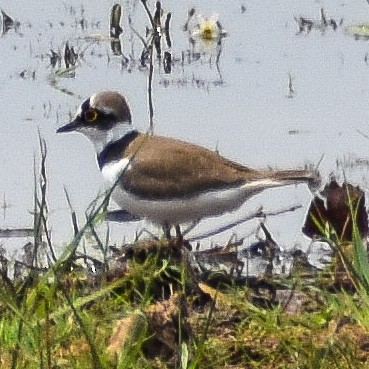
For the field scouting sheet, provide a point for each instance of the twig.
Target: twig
(155, 35)
(17, 232)
(144, 3)
(219, 51)
(43, 209)
(97, 238)
(74, 217)
(166, 29)
(73, 213)
(149, 88)
(139, 36)
(256, 214)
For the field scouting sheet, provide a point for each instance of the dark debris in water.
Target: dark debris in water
(55, 59)
(330, 215)
(7, 23)
(115, 20)
(306, 25)
(70, 56)
(115, 29)
(27, 74)
(14, 233)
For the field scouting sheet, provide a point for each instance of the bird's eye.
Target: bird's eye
(91, 115)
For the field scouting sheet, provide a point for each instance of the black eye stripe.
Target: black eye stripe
(98, 119)
(86, 105)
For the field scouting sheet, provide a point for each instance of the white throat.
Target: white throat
(101, 139)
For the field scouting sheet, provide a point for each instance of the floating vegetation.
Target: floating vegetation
(115, 19)
(359, 31)
(7, 23)
(55, 59)
(351, 162)
(115, 29)
(12, 233)
(27, 74)
(70, 56)
(154, 49)
(157, 30)
(291, 90)
(306, 25)
(167, 62)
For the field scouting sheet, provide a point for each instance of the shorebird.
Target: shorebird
(165, 180)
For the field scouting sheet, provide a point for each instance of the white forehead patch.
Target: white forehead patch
(95, 102)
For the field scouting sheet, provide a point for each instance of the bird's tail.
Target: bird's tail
(285, 177)
(276, 178)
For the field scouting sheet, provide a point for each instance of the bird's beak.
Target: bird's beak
(69, 127)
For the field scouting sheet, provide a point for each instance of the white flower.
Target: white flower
(208, 29)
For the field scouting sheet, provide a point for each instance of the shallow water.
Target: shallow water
(244, 109)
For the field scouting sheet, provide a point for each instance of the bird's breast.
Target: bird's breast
(111, 171)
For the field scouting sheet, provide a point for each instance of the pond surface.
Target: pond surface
(277, 97)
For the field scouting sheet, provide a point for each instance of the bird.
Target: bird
(168, 181)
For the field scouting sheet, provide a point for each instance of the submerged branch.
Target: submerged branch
(256, 214)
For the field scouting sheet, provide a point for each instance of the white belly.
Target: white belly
(175, 211)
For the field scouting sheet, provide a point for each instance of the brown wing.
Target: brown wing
(185, 170)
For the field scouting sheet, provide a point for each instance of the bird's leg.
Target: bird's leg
(179, 233)
(166, 229)
(180, 241)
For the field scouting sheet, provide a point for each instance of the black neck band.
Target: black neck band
(114, 150)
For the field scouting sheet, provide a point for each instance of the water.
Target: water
(244, 109)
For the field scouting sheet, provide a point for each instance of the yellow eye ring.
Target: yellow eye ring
(91, 115)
